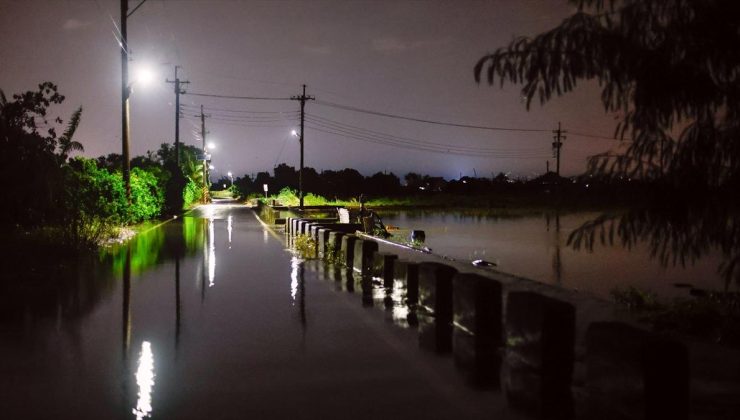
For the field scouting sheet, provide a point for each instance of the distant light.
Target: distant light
(228, 173)
(211, 167)
(422, 188)
(294, 133)
(211, 145)
(224, 185)
(264, 187)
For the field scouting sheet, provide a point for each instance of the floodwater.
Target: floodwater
(536, 247)
(209, 316)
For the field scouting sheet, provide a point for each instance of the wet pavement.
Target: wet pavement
(209, 316)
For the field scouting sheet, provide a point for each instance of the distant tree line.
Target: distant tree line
(348, 183)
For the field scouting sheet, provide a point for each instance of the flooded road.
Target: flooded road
(209, 316)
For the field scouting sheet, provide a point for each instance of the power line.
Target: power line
(596, 136)
(450, 151)
(208, 108)
(449, 124)
(327, 123)
(249, 98)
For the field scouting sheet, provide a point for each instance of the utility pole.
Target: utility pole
(125, 93)
(303, 98)
(205, 151)
(178, 91)
(557, 145)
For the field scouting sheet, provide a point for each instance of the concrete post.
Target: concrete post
(383, 267)
(478, 332)
(363, 259)
(348, 250)
(537, 368)
(435, 299)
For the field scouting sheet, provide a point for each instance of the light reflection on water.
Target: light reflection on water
(294, 265)
(229, 228)
(145, 381)
(211, 253)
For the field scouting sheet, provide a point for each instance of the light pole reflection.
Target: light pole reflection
(126, 324)
(211, 253)
(145, 381)
(228, 228)
(298, 287)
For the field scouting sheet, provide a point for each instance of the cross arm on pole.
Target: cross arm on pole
(136, 8)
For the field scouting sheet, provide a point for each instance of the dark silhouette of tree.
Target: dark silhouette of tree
(664, 65)
(285, 176)
(413, 180)
(66, 143)
(382, 184)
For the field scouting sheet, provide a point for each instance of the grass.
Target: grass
(506, 203)
(222, 194)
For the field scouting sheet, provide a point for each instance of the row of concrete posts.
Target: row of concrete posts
(522, 342)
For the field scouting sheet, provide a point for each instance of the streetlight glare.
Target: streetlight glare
(211, 167)
(211, 145)
(294, 133)
(228, 173)
(144, 75)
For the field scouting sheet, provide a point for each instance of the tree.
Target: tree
(66, 144)
(666, 65)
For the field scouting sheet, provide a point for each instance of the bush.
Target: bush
(146, 197)
(191, 193)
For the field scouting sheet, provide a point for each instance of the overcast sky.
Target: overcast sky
(408, 58)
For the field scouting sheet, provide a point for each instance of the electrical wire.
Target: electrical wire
(449, 151)
(327, 123)
(251, 98)
(449, 124)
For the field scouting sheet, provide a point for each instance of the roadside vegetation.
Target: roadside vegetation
(75, 203)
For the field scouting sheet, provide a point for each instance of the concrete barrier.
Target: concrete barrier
(537, 368)
(323, 234)
(363, 258)
(407, 273)
(334, 245)
(383, 267)
(477, 335)
(435, 302)
(348, 250)
(632, 373)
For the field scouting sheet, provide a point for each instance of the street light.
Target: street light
(231, 177)
(211, 145)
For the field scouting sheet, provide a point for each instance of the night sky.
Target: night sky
(408, 58)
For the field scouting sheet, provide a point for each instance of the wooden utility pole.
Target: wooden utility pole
(178, 91)
(205, 150)
(125, 93)
(303, 98)
(557, 145)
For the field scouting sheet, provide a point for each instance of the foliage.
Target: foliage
(146, 196)
(335, 256)
(191, 194)
(305, 246)
(634, 298)
(665, 66)
(676, 231)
